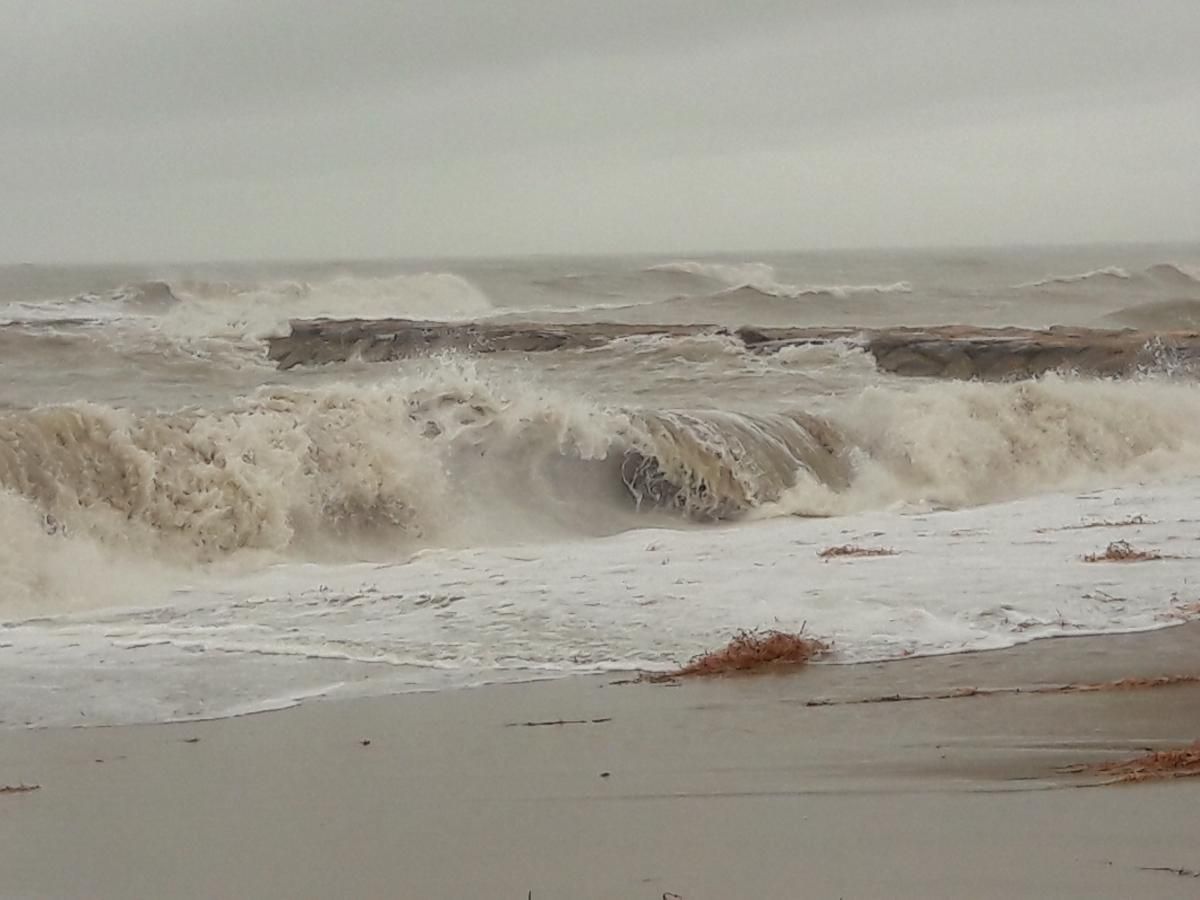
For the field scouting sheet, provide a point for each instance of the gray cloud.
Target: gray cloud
(170, 129)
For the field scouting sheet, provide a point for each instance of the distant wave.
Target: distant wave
(255, 309)
(756, 275)
(149, 294)
(763, 279)
(261, 309)
(1172, 273)
(422, 292)
(1108, 273)
(1160, 315)
(1168, 274)
(838, 291)
(130, 300)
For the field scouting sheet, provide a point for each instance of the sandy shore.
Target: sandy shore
(736, 787)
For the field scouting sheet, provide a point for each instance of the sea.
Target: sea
(187, 531)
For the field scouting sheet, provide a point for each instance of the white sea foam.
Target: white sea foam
(842, 291)
(252, 310)
(213, 536)
(447, 457)
(259, 310)
(954, 444)
(967, 580)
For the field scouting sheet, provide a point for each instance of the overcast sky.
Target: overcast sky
(205, 129)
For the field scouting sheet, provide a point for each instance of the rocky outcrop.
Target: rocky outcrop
(946, 351)
(995, 354)
(319, 341)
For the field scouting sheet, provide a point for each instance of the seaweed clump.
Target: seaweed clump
(1122, 551)
(1156, 766)
(755, 650)
(854, 551)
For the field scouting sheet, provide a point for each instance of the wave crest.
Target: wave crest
(283, 466)
(714, 465)
(1108, 274)
(445, 457)
(761, 278)
(836, 291)
(756, 275)
(1169, 275)
(253, 310)
(956, 444)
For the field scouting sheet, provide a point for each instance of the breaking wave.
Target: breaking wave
(184, 337)
(1108, 274)
(433, 295)
(956, 444)
(253, 310)
(141, 298)
(838, 291)
(445, 457)
(752, 274)
(1163, 275)
(762, 278)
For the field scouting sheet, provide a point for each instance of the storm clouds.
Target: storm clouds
(167, 130)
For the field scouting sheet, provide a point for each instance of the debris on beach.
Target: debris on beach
(1102, 523)
(752, 650)
(19, 788)
(1123, 684)
(1181, 612)
(1172, 870)
(1155, 766)
(854, 550)
(1127, 684)
(1122, 551)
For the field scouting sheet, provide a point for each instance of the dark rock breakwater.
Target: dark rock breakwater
(946, 351)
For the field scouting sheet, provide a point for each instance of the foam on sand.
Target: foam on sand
(972, 579)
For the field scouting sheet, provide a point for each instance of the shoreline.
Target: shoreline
(973, 578)
(719, 787)
(938, 689)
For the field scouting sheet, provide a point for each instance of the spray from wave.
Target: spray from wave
(341, 472)
(445, 457)
(253, 310)
(44, 568)
(956, 444)
(259, 310)
(91, 308)
(757, 275)
(171, 335)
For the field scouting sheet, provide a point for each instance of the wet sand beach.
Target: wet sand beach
(777, 785)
